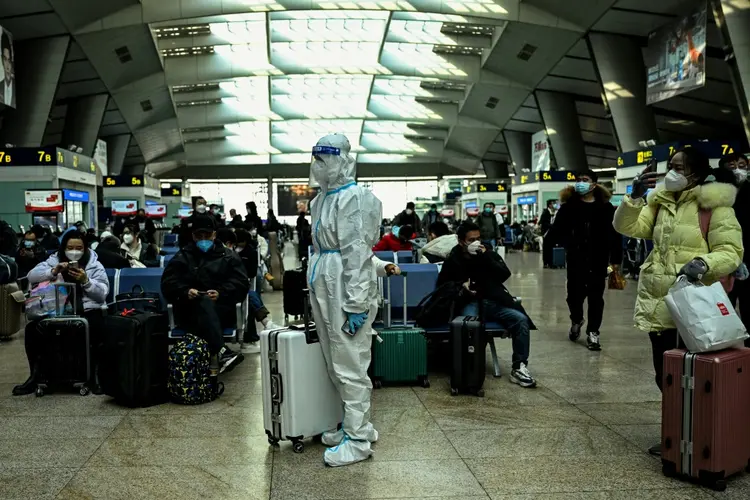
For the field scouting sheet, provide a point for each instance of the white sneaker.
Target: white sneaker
(272, 326)
(250, 348)
(592, 341)
(336, 436)
(348, 452)
(522, 377)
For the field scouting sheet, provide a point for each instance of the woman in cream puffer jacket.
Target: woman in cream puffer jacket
(672, 220)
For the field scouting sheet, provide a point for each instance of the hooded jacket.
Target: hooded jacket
(742, 212)
(390, 243)
(589, 239)
(218, 269)
(674, 227)
(438, 249)
(94, 292)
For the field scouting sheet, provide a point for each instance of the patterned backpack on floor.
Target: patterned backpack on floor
(190, 373)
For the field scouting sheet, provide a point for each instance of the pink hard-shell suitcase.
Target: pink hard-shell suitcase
(705, 425)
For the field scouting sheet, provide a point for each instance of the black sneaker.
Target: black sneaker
(592, 341)
(575, 331)
(655, 450)
(28, 387)
(228, 359)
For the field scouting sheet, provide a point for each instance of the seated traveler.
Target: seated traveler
(112, 256)
(482, 272)
(92, 287)
(240, 242)
(439, 245)
(204, 281)
(29, 254)
(137, 248)
(395, 241)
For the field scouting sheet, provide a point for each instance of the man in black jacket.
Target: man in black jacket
(408, 218)
(740, 294)
(200, 208)
(253, 220)
(545, 223)
(583, 225)
(204, 281)
(481, 273)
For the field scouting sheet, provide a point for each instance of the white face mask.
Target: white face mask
(409, 211)
(741, 175)
(201, 209)
(237, 249)
(675, 181)
(127, 238)
(254, 232)
(74, 255)
(473, 247)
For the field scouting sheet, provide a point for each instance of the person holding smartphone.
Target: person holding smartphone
(204, 281)
(73, 263)
(670, 216)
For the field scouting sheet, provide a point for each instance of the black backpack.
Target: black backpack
(437, 309)
(8, 269)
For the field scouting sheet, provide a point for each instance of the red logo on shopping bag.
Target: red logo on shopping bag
(723, 309)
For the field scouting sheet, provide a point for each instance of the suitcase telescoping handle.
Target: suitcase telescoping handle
(311, 334)
(59, 311)
(389, 319)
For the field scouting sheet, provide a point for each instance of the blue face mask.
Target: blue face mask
(582, 187)
(204, 245)
(487, 210)
(29, 244)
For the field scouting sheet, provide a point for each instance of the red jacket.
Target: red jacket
(390, 243)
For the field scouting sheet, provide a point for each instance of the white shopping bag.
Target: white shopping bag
(500, 250)
(705, 318)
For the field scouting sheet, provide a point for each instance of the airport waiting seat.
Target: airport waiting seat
(170, 240)
(164, 260)
(401, 257)
(170, 250)
(421, 280)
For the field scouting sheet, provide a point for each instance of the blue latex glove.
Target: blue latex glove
(354, 322)
(742, 273)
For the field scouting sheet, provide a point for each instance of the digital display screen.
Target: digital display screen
(7, 69)
(156, 211)
(124, 207)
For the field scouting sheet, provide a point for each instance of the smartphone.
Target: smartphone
(652, 165)
(202, 293)
(73, 264)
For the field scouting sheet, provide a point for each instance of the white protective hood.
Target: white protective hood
(332, 165)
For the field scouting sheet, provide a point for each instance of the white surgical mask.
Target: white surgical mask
(201, 209)
(741, 175)
(473, 247)
(127, 238)
(237, 249)
(409, 211)
(74, 255)
(675, 181)
(254, 232)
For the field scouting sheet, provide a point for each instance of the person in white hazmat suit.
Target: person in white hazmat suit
(342, 278)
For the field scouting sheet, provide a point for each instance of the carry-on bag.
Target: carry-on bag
(400, 355)
(140, 300)
(134, 364)
(705, 415)
(65, 357)
(11, 310)
(299, 399)
(704, 315)
(468, 342)
(558, 257)
(295, 283)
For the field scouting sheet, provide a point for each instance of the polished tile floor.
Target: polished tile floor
(582, 434)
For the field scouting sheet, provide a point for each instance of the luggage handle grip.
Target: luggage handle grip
(311, 334)
(72, 286)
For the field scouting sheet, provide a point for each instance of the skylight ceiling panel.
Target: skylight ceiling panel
(328, 30)
(418, 32)
(315, 106)
(417, 87)
(250, 97)
(386, 127)
(395, 143)
(291, 158)
(245, 59)
(251, 31)
(299, 136)
(419, 60)
(407, 109)
(327, 57)
(321, 85)
(250, 138)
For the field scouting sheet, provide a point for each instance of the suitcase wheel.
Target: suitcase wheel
(480, 393)
(298, 446)
(39, 391)
(377, 384)
(84, 391)
(425, 382)
(454, 391)
(273, 441)
(719, 485)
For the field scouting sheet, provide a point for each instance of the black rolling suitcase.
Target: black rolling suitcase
(295, 283)
(65, 350)
(134, 364)
(468, 343)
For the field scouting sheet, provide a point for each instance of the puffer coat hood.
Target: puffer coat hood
(674, 226)
(600, 193)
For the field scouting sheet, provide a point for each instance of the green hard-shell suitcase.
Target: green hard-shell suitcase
(400, 353)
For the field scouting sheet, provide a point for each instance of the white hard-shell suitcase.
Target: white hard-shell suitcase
(299, 399)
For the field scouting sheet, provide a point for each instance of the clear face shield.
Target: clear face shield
(323, 165)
